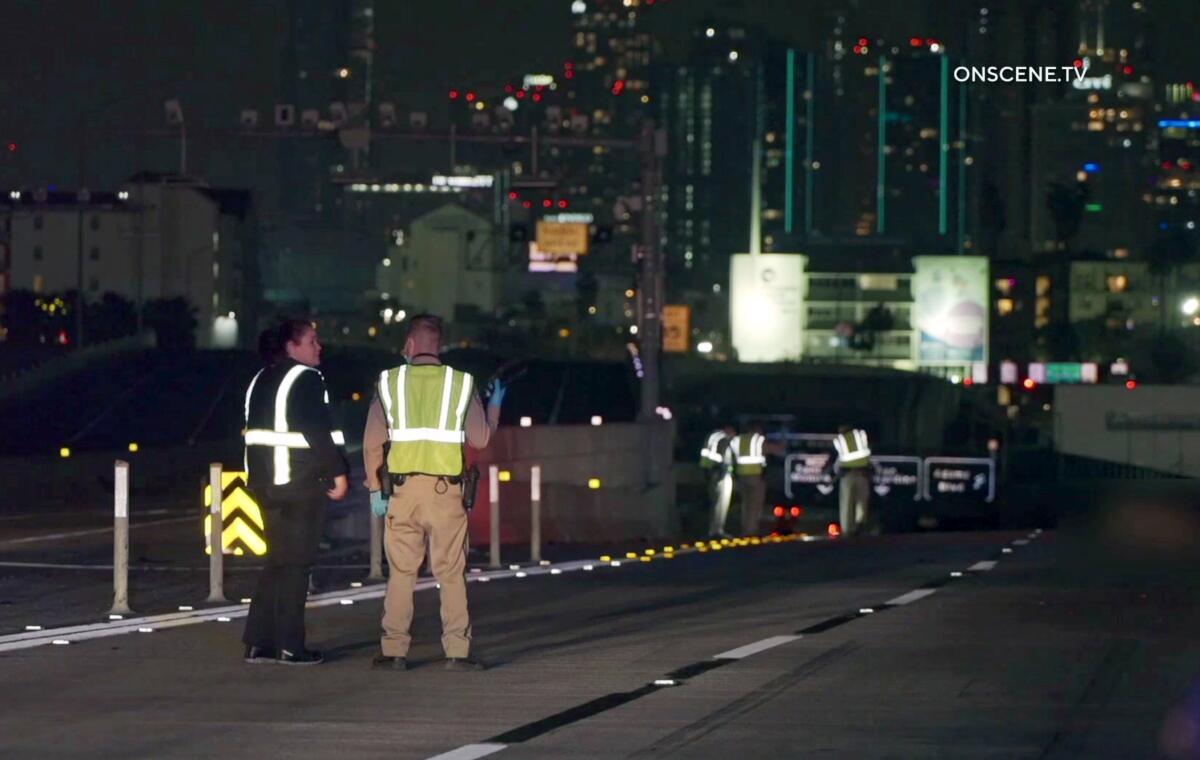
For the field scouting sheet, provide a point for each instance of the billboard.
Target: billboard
(545, 261)
(950, 309)
(562, 237)
(765, 304)
(676, 327)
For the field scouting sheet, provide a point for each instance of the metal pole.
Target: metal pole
(376, 573)
(650, 286)
(494, 514)
(120, 603)
(79, 300)
(535, 513)
(216, 526)
(533, 152)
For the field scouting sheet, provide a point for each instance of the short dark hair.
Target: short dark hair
(272, 342)
(424, 323)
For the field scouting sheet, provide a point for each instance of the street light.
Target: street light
(1190, 306)
(173, 111)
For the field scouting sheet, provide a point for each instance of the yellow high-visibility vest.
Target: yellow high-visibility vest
(750, 459)
(426, 409)
(852, 449)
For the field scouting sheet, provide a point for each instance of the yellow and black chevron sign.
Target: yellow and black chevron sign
(242, 528)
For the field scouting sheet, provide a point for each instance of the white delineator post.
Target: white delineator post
(216, 548)
(376, 573)
(120, 603)
(535, 513)
(494, 514)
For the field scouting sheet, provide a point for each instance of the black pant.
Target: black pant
(293, 520)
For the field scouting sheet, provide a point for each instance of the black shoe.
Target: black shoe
(383, 662)
(258, 655)
(464, 664)
(305, 657)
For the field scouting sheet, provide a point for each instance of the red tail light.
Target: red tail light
(795, 511)
(834, 530)
(779, 511)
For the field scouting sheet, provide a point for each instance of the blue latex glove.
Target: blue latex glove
(498, 391)
(379, 503)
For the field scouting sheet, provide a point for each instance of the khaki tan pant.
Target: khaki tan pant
(754, 492)
(417, 511)
(854, 496)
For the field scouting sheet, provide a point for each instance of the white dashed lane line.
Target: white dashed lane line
(912, 596)
(470, 752)
(755, 648)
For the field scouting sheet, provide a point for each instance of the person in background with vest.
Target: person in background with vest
(294, 463)
(750, 451)
(854, 489)
(425, 411)
(716, 459)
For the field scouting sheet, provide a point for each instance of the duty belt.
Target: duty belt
(398, 478)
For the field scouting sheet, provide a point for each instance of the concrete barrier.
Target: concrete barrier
(610, 482)
(1153, 427)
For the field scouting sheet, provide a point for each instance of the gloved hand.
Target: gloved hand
(379, 503)
(498, 391)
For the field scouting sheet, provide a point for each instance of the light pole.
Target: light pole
(173, 111)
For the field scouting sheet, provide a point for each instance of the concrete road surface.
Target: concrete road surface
(967, 645)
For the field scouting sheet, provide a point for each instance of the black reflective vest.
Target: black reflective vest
(289, 435)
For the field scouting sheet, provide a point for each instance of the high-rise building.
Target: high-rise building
(1090, 149)
(608, 80)
(773, 148)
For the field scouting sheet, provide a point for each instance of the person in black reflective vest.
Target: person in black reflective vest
(294, 463)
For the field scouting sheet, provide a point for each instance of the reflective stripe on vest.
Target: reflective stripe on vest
(426, 409)
(281, 439)
(750, 459)
(852, 448)
(249, 392)
(286, 440)
(711, 454)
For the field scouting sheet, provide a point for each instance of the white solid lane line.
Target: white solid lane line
(755, 648)
(987, 564)
(470, 752)
(28, 639)
(912, 596)
(90, 531)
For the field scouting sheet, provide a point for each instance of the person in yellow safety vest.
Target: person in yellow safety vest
(294, 462)
(425, 412)
(854, 489)
(716, 458)
(750, 451)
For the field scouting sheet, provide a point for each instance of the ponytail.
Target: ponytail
(272, 343)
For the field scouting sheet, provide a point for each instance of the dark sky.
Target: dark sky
(119, 59)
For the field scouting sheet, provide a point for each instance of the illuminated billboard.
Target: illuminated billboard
(544, 261)
(950, 309)
(676, 322)
(562, 237)
(766, 298)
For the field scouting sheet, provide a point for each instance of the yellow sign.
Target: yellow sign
(676, 325)
(562, 237)
(242, 527)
